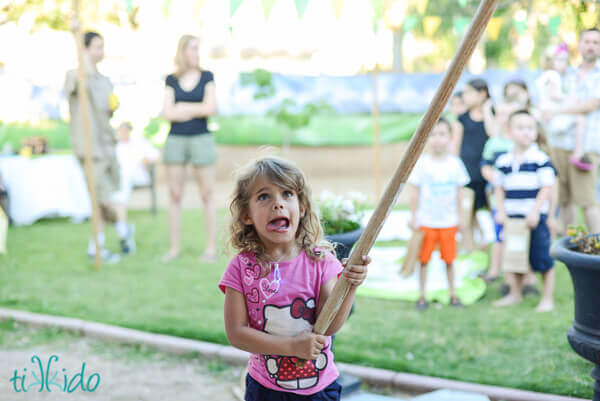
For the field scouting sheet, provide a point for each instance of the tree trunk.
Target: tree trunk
(398, 63)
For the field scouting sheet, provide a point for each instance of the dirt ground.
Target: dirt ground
(336, 169)
(127, 373)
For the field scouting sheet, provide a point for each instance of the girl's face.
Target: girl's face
(457, 106)
(274, 212)
(523, 130)
(516, 94)
(560, 62)
(192, 54)
(472, 97)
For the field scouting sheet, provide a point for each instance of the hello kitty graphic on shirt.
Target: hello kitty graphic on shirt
(282, 300)
(285, 321)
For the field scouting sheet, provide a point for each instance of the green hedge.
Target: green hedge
(324, 130)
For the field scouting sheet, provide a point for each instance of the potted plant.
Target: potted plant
(580, 252)
(341, 217)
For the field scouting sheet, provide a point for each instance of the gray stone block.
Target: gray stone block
(450, 395)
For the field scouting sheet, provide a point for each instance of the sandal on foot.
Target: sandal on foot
(490, 280)
(209, 257)
(583, 164)
(167, 257)
(454, 301)
(422, 304)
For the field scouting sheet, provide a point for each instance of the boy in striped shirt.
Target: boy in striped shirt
(523, 185)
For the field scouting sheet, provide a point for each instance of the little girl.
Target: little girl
(469, 139)
(277, 284)
(551, 92)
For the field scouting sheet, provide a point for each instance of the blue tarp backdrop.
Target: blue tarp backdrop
(354, 94)
(349, 94)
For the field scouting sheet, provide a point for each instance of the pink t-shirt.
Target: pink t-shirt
(284, 303)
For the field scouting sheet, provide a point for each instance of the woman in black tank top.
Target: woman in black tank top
(471, 137)
(189, 99)
(474, 137)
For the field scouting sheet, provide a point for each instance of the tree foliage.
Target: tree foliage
(500, 52)
(56, 14)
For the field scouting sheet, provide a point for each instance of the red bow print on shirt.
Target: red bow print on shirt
(304, 310)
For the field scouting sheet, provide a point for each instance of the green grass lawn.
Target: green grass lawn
(47, 271)
(324, 130)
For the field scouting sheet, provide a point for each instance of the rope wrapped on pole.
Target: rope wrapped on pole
(415, 148)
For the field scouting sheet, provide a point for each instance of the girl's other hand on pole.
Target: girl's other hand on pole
(356, 274)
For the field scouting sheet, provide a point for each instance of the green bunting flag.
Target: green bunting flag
(554, 24)
(301, 7)
(460, 24)
(166, 7)
(267, 6)
(422, 6)
(520, 26)
(233, 6)
(198, 5)
(410, 22)
(378, 7)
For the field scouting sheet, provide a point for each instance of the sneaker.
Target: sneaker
(107, 257)
(422, 304)
(128, 243)
(529, 289)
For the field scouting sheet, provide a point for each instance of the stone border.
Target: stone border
(177, 345)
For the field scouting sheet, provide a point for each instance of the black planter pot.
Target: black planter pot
(584, 334)
(344, 242)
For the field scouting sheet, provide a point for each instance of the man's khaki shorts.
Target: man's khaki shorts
(107, 177)
(575, 186)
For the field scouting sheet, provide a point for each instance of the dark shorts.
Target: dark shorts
(539, 247)
(480, 201)
(257, 392)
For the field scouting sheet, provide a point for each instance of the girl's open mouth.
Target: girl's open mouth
(280, 225)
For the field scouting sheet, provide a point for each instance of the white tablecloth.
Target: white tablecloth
(45, 186)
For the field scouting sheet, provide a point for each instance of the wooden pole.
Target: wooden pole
(82, 95)
(376, 141)
(415, 148)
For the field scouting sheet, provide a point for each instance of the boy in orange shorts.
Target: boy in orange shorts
(436, 183)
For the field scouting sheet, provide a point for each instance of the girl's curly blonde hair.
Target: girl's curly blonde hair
(285, 174)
